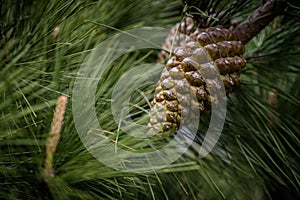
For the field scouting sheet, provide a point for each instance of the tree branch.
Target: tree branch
(249, 28)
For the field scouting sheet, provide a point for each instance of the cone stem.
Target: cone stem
(256, 22)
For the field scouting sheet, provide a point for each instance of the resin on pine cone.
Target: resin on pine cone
(204, 60)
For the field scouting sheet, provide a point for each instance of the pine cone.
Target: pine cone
(174, 39)
(201, 59)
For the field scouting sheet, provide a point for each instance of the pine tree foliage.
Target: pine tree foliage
(37, 65)
(42, 45)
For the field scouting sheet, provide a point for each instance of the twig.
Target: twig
(54, 135)
(256, 22)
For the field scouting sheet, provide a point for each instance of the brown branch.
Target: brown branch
(256, 22)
